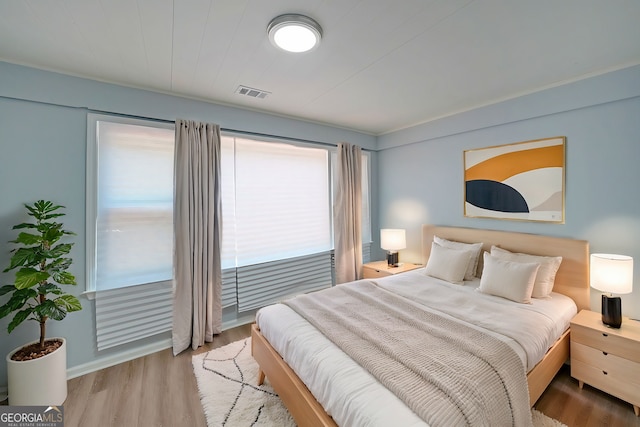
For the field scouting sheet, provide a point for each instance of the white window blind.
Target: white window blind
(134, 222)
(132, 313)
(281, 204)
(228, 193)
(277, 219)
(366, 252)
(274, 281)
(366, 205)
(129, 227)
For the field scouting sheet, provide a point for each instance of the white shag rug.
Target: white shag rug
(227, 378)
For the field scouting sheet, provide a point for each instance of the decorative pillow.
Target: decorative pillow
(476, 248)
(448, 264)
(508, 279)
(546, 273)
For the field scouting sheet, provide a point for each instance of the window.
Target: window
(277, 218)
(129, 227)
(277, 223)
(366, 209)
(132, 205)
(279, 201)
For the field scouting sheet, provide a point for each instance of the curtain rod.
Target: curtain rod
(241, 132)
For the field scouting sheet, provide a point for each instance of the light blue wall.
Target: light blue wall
(417, 172)
(42, 155)
(421, 169)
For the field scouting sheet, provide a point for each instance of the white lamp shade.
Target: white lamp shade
(393, 239)
(612, 273)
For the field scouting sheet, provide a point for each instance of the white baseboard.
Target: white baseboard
(106, 362)
(115, 359)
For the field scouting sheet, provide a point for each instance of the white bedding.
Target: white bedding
(355, 398)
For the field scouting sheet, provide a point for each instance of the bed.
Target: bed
(571, 280)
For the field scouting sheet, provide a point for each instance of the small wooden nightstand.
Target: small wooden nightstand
(376, 269)
(607, 358)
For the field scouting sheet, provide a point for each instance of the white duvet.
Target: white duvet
(355, 398)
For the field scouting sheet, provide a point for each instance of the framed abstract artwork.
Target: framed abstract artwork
(521, 181)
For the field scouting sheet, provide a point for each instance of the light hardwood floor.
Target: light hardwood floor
(589, 407)
(161, 390)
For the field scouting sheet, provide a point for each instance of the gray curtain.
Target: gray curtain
(348, 213)
(197, 288)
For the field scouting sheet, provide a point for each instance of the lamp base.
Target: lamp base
(392, 259)
(612, 311)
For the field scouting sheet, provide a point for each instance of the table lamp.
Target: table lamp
(392, 240)
(612, 274)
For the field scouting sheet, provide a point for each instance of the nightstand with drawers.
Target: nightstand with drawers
(607, 358)
(377, 269)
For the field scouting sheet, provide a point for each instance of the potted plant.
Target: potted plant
(37, 372)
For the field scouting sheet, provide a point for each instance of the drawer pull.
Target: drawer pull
(605, 372)
(605, 335)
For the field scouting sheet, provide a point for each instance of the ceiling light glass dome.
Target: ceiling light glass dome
(294, 33)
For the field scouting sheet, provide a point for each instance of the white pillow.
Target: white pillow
(508, 279)
(448, 264)
(546, 273)
(476, 248)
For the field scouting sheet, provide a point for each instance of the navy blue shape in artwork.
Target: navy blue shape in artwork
(495, 196)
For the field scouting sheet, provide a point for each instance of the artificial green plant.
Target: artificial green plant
(42, 265)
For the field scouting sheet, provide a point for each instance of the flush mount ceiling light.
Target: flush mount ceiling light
(294, 33)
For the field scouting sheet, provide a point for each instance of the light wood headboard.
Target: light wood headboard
(572, 278)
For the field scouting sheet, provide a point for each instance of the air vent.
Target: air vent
(253, 93)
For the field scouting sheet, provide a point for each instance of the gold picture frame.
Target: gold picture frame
(523, 181)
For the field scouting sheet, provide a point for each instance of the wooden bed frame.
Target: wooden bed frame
(572, 280)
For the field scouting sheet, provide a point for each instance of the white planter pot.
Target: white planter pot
(41, 381)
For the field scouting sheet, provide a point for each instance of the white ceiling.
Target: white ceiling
(383, 65)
